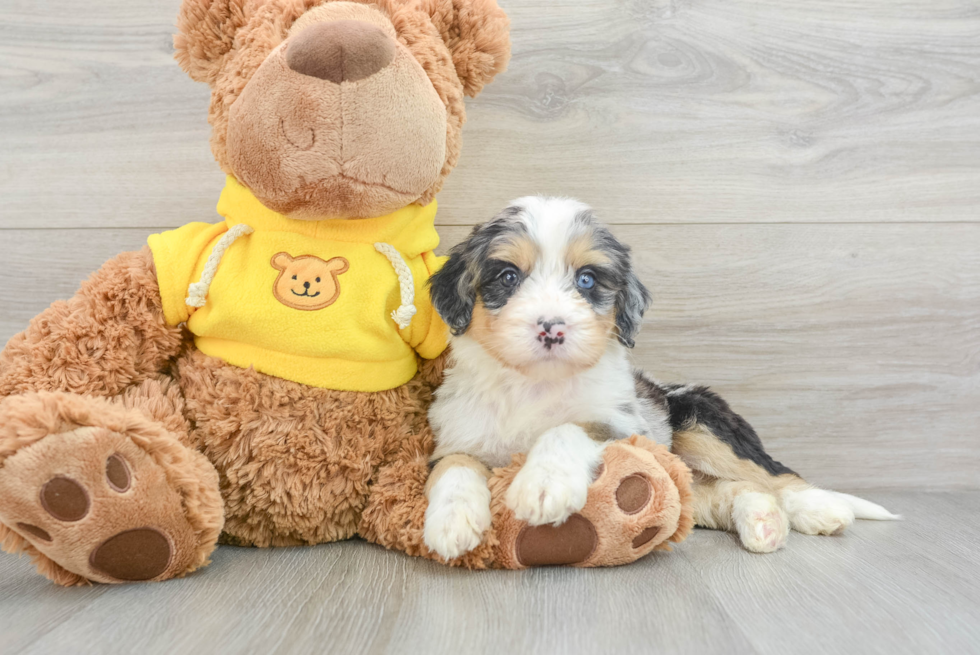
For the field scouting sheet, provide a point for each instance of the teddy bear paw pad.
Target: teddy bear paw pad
(64, 499)
(633, 507)
(133, 555)
(633, 493)
(572, 542)
(34, 531)
(98, 505)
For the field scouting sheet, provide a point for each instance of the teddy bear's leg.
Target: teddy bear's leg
(95, 482)
(639, 501)
(395, 515)
(99, 490)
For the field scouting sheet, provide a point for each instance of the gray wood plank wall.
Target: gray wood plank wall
(800, 181)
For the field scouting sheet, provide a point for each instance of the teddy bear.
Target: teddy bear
(264, 380)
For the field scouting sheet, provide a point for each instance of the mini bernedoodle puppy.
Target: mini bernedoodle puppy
(543, 304)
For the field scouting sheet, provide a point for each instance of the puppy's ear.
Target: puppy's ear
(632, 302)
(453, 288)
(477, 33)
(205, 34)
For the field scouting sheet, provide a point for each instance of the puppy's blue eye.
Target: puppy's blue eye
(585, 280)
(509, 277)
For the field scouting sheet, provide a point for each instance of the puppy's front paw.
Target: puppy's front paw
(458, 514)
(542, 494)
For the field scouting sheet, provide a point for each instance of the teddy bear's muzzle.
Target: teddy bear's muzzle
(340, 120)
(340, 51)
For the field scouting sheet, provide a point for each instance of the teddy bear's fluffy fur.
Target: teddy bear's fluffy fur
(460, 44)
(212, 449)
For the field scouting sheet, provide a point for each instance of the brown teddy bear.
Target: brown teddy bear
(266, 379)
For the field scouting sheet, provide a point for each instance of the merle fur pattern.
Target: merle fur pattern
(631, 297)
(688, 406)
(471, 273)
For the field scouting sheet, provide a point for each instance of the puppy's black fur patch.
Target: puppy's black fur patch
(700, 405)
(651, 391)
(469, 271)
(494, 292)
(453, 292)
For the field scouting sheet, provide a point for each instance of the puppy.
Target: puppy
(543, 305)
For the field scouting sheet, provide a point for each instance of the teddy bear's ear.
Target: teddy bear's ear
(477, 33)
(281, 260)
(338, 265)
(205, 34)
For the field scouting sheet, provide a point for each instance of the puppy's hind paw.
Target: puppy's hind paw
(761, 523)
(815, 511)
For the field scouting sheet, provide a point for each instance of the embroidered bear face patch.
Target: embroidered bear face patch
(307, 282)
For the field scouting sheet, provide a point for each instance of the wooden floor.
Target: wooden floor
(801, 184)
(895, 588)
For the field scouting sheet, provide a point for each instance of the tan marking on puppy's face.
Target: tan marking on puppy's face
(582, 252)
(519, 250)
(307, 283)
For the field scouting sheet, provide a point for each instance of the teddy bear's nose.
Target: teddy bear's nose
(340, 51)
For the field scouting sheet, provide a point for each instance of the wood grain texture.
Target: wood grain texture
(853, 349)
(666, 111)
(882, 587)
(801, 185)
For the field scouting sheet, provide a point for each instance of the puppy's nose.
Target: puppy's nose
(547, 324)
(306, 285)
(340, 51)
(551, 332)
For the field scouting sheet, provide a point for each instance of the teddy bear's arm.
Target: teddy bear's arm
(110, 335)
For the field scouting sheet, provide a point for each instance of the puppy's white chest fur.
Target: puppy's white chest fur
(491, 412)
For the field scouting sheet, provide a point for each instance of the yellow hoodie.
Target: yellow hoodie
(338, 304)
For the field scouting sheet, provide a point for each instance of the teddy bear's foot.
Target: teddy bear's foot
(639, 500)
(95, 504)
